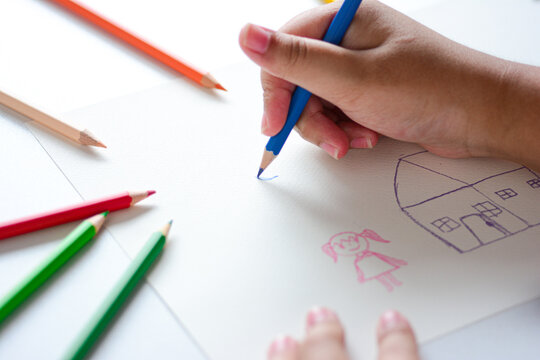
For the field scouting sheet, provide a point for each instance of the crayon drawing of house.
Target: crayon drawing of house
(467, 203)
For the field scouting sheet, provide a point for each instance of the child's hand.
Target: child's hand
(392, 76)
(325, 339)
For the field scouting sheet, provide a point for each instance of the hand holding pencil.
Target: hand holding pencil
(395, 77)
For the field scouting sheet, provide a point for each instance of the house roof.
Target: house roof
(422, 176)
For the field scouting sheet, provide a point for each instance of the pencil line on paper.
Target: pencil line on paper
(54, 162)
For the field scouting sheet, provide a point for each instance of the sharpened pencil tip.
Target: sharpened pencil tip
(101, 145)
(151, 192)
(219, 87)
(259, 173)
(165, 230)
(106, 213)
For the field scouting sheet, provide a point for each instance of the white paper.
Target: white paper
(246, 258)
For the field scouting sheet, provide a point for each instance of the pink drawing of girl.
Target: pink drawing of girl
(369, 265)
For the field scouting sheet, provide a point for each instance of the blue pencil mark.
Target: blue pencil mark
(267, 179)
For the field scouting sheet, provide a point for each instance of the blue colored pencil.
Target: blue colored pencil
(300, 96)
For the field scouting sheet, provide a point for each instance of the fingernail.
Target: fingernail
(362, 143)
(256, 38)
(391, 321)
(331, 150)
(264, 124)
(319, 315)
(281, 345)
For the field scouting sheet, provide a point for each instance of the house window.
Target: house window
(506, 193)
(487, 208)
(445, 224)
(534, 183)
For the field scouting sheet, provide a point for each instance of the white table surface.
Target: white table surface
(53, 62)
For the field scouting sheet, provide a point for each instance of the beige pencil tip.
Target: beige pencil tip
(267, 158)
(98, 220)
(87, 138)
(165, 230)
(137, 196)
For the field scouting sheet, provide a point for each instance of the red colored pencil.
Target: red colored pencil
(71, 213)
(201, 77)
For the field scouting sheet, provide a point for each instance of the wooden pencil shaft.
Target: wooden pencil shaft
(114, 300)
(39, 117)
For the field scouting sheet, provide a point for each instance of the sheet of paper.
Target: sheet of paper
(367, 233)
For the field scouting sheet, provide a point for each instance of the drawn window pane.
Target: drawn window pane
(487, 208)
(445, 224)
(534, 183)
(506, 193)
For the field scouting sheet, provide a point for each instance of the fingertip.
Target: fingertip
(283, 348)
(255, 39)
(334, 151)
(365, 142)
(335, 144)
(391, 321)
(325, 336)
(360, 137)
(395, 337)
(320, 315)
(316, 127)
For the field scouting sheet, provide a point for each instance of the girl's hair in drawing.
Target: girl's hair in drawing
(372, 235)
(366, 234)
(329, 250)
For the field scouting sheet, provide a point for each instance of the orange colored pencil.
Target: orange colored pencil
(201, 77)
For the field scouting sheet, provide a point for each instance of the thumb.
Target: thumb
(318, 66)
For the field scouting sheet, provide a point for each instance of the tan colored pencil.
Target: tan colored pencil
(83, 137)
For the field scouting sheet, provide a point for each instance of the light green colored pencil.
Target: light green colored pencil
(65, 251)
(125, 285)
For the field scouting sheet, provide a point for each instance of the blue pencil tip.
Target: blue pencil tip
(260, 172)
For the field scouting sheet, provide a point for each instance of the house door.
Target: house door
(483, 228)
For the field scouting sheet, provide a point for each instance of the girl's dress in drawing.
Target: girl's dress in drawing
(371, 265)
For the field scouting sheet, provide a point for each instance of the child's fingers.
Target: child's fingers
(318, 128)
(360, 137)
(396, 338)
(277, 97)
(284, 348)
(325, 336)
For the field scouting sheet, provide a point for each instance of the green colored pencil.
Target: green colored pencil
(65, 251)
(114, 300)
